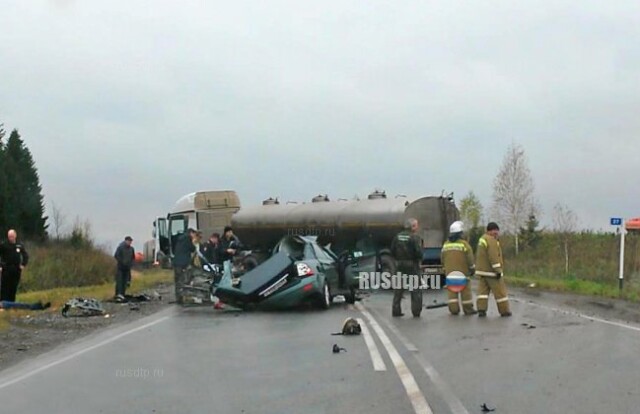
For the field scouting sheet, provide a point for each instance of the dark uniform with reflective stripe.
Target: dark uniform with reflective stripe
(457, 256)
(12, 257)
(489, 269)
(406, 248)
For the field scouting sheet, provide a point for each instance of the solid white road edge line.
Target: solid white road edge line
(418, 401)
(581, 315)
(80, 352)
(376, 359)
(447, 394)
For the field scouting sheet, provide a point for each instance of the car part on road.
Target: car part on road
(82, 307)
(436, 305)
(486, 409)
(337, 349)
(350, 327)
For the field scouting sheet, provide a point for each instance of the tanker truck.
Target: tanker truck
(363, 228)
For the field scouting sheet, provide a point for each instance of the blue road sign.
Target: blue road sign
(615, 221)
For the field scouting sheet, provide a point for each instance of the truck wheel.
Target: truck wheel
(325, 298)
(387, 264)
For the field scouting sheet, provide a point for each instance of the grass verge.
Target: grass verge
(140, 281)
(577, 286)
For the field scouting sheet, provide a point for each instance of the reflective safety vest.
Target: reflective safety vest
(489, 257)
(457, 256)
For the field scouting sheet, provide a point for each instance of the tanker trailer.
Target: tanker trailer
(364, 228)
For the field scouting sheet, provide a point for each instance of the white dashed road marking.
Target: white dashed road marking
(418, 401)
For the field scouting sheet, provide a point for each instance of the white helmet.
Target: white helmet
(456, 227)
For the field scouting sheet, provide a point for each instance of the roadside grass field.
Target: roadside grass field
(140, 281)
(580, 287)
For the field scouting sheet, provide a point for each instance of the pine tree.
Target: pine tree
(530, 235)
(24, 208)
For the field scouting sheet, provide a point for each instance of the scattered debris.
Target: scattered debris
(437, 305)
(350, 327)
(84, 307)
(22, 348)
(486, 409)
(337, 349)
(133, 298)
(526, 325)
(134, 306)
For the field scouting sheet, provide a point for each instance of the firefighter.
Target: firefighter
(457, 256)
(406, 248)
(490, 269)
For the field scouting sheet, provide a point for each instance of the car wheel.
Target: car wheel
(325, 298)
(350, 297)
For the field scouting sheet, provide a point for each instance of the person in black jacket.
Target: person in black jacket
(182, 255)
(13, 259)
(230, 244)
(125, 256)
(212, 249)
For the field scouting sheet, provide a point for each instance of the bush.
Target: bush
(69, 262)
(593, 257)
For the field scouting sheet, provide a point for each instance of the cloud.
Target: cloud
(128, 106)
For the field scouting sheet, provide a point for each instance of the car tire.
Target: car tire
(387, 264)
(325, 296)
(350, 297)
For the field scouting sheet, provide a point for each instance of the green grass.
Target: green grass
(58, 297)
(59, 264)
(573, 285)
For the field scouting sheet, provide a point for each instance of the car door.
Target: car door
(328, 266)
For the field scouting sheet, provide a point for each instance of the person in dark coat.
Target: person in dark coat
(230, 244)
(13, 259)
(182, 255)
(125, 257)
(212, 249)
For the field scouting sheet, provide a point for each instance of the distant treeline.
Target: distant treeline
(21, 200)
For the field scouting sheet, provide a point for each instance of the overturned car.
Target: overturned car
(299, 271)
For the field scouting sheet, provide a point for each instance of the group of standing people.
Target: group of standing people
(189, 251)
(488, 266)
(456, 256)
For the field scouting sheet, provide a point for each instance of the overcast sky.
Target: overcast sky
(128, 105)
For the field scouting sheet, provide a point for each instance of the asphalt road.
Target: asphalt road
(201, 361)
